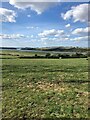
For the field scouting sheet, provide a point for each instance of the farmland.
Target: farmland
(44, 88)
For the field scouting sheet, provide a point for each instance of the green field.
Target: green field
(44, 88)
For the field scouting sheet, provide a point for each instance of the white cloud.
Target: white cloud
(29, 16)
(39, 6)
(32, 36)
(44, 38)
(51, 32)
(30, 27)
(81, 31)
(12, 36)
(66, 38)
(7, 15)
(53, 35)
(85, 38)
(67, 26)
(78, 13)
(58, 39)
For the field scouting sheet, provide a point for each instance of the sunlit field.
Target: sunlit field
(44, 88)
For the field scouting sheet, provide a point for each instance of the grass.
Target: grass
(44, 88)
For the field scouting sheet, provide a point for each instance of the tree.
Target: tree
(47, 55)
(36, 55)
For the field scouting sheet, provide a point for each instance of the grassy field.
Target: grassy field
(44, 88)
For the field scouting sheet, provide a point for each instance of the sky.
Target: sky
(46, 24)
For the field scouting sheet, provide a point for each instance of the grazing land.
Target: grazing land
(44, 88)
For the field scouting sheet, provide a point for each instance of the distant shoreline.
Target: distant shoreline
(49, 49)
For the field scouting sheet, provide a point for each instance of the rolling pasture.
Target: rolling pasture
(43, 88)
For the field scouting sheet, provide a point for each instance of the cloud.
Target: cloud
(81, 31)
(77, 13)
(53, 35)
(68, 25)
(44, 38)
(30, 27)
(7, 15)
(32, 36)
(51, 32)
(12, 36)
(39, 6)
(85, 38)
(29, 16)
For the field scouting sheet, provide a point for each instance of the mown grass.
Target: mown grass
(45, 88)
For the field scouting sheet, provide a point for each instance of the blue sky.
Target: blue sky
(44, 25)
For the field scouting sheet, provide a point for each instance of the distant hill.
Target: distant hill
(65, 49)
(8, 48)
(57, 49)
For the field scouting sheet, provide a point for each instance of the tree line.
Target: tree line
(57, 56)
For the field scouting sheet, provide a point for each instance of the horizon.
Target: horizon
(47, 47)
(44, 24)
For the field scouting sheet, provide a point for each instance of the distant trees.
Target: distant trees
(79, 55)
(58, 56)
